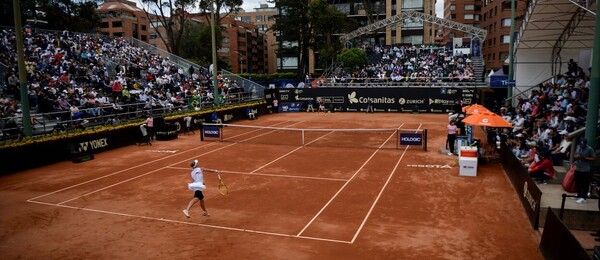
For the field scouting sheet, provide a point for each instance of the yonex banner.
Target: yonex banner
(411, 139)
(212, 131)
(290, 106)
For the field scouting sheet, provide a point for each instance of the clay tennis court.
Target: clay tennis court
(285, 201)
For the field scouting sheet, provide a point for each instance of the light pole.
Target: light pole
(511, 52)
(214, 51)
(241, 59)
(241, 64)
(27, 130)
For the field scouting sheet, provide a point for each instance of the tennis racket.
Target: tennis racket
(222, 187)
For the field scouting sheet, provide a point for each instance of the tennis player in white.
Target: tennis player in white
(197, 186)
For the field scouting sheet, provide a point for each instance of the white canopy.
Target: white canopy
(553, 32)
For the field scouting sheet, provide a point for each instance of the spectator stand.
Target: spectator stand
(85, 78)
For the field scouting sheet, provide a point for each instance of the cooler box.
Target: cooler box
(468, 166)
(468, 151)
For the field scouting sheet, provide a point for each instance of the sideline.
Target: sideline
(127, 169)
(348, 181)
(273, 175)
(381, 192)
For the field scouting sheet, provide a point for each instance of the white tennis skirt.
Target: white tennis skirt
(196, 186)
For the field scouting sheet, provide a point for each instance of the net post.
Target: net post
(302, 137)
(397, 138)
(425, 139)
(221, 135)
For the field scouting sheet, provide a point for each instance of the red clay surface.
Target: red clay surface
(285, 201)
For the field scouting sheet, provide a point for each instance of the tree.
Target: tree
(352, 58)
(223, 8)
(305, 25)
(56, 14)
(196, 43)
(173, 16)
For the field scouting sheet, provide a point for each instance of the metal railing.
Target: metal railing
(61, 121)
(526, 91)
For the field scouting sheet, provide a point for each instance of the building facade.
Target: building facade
(415, 32)
(491, 15)
(122, 18)
(496, 20)
(264, 18)
(243, 45)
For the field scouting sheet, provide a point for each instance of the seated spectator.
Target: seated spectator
(561, 153)
(75, 113)
(518, 122)
(530, 156)
(250, 113)
(215, 118)
(542, 170)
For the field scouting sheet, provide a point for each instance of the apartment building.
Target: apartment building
(415, 32)
(243, 44)
(491, 15)
(122, 18)
(409, 31)
(263, 18)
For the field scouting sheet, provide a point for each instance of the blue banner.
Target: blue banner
(211, 131)
(290, 106)
(411, 139)
(501, 82)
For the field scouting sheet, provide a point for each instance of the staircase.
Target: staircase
(479, 69)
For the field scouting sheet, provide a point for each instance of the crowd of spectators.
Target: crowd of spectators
(79, 76)
(543, 120)
(410, 63)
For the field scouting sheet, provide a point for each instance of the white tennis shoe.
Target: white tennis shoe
(186, 213)
(205, 214)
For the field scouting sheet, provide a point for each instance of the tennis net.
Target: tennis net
(376, 138)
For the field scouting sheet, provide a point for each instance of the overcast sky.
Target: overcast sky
(249, 6)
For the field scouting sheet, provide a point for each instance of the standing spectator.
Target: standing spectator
(321, 106)
(369, 106)
(452, 128)
(584, 156)
(275, 106)
(310, 107)
(13, 86)
(150, 126)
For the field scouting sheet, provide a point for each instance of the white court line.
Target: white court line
(272, 175)
(139, 176)
(280, 157)
(136, 177)
(193, 224)
(213, 226)
(346, 184)
(380, 192)
(130, 168)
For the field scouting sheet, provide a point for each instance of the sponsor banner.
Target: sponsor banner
(92, 145)
(527, 190)
(211, 131)
(383, 99)
(290, 106)
(411, 139)
(501, 81)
